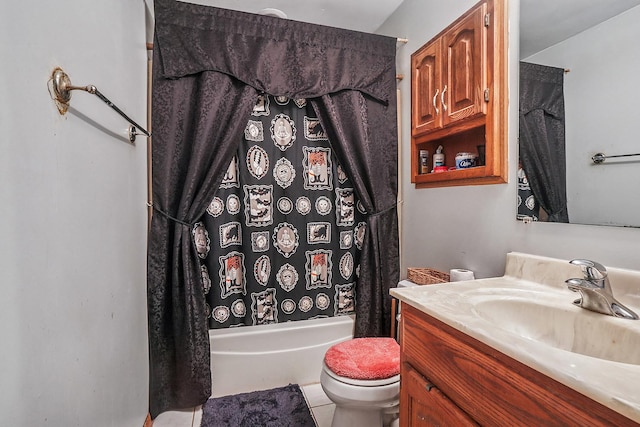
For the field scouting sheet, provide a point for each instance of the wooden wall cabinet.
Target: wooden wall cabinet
(449, 378)
(458, 97)
(449, 75)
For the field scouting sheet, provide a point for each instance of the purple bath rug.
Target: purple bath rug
(277, 407)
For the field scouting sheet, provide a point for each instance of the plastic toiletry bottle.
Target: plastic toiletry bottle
(438, 157)
(424, 161)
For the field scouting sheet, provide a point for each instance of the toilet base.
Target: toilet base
(362, 406)
(349, 416)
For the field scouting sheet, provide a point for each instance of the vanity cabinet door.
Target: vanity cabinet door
(464, 68)
(423, 404)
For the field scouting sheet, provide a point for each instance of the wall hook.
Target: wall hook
(60, 90)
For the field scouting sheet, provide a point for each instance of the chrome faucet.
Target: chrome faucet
(595, 290)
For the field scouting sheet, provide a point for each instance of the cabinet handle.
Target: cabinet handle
(429, 386)
(435, 97)
(444, 105)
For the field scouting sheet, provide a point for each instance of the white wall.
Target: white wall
(474, 227)
(73, 333)
(601, 116)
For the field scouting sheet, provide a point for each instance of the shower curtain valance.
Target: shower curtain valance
(209, 67)
(192, 38)
(547, 94)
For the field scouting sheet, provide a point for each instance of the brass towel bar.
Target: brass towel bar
(62, 87)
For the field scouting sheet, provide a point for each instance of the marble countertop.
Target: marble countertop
(540, 280)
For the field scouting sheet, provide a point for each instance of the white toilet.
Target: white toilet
(362, 377)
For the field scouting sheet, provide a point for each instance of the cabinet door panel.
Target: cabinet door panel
(464, 75)
(426, 89)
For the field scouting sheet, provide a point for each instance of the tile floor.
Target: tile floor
(321, 408)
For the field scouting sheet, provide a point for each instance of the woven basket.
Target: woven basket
(427, 276)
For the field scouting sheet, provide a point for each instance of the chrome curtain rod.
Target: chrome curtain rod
(62, 87)
(601, 157)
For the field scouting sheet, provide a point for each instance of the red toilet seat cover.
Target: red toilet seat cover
(364, 358)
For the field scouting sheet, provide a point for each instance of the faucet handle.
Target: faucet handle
(592, 270)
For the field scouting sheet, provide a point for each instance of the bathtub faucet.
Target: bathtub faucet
(595, 291)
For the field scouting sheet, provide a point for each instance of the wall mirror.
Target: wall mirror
(590, 49)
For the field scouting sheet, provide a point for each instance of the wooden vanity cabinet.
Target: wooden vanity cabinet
(458, 97)
(451, 379)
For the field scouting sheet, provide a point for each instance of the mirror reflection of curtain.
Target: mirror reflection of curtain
(542, 137)
(210, 66)
(528, 206)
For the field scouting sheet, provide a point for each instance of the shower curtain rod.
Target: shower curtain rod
(62, 87)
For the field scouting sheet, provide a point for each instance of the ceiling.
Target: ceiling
(544, 23)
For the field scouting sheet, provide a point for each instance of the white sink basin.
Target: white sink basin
(564, 327)
(528, 314)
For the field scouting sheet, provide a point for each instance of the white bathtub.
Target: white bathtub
(253, 358)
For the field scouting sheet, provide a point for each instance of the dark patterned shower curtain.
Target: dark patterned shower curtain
(210, 68)
(281, 238)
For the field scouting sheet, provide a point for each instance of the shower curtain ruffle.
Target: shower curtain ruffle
(289, 58)
(209, 62)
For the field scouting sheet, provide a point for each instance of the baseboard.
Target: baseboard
(148, 422)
